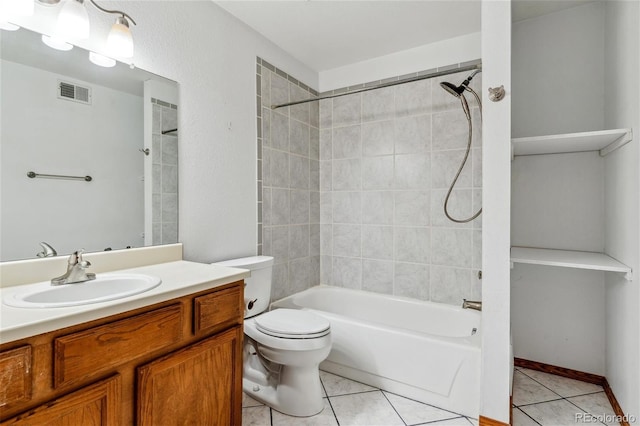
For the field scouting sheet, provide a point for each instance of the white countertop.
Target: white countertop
(179, 278)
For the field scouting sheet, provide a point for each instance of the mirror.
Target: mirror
(65, 117)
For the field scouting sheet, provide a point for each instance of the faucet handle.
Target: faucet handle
(81, 262)
(47, 250)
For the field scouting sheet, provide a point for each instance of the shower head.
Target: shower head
(454, 90)
(458, 90)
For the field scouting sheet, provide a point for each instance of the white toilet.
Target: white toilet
(282, 348)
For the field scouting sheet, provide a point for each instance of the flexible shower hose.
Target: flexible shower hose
(465, 108)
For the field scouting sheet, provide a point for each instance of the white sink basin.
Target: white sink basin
(104, 288)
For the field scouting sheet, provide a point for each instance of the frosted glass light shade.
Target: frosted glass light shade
(56, 43)
(101, 60)
(120, 40)
(73, 21)
(8, 26)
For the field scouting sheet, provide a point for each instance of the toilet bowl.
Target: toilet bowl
(282, 348)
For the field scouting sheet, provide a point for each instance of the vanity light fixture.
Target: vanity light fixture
(56, 43)
(14, 8)
(101, 60)
(120, 40)
(73, 24)
(73, 21)
(8, 26)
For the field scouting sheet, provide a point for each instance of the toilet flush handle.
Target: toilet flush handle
(251, 303)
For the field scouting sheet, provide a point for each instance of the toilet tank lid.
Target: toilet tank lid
(251, 262)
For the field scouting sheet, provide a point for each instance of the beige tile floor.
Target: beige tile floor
(548, 400)
(352, 403)
(538, 399)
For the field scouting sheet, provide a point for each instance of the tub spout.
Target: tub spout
(472, 304)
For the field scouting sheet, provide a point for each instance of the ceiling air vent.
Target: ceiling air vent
(73, 92)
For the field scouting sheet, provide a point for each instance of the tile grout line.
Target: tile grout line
(393, 407)
(335, 416)
(562, 397)
(534, 420)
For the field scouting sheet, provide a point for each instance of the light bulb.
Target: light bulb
(101, 60)
(73, 21)
(120, 40)
(56, 43)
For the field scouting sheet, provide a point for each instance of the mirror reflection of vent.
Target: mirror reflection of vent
(73, 92)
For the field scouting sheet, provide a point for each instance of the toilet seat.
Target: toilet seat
(292, 324)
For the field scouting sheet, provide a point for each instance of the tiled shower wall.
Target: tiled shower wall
(288, 181)
(164, 152)
(387, 158)
(368, 215)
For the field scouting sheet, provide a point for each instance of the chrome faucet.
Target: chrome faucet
(47, 250)
(75, 271)
(472, 304)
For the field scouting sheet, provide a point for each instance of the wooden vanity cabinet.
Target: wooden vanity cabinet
(175, 362)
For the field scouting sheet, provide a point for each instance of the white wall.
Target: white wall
(622, 109)
(496, 164)
(213, 58)
(430, 56)
(557, 201)
(44, 134)
(558, 72)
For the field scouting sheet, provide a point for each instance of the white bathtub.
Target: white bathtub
(426, 351)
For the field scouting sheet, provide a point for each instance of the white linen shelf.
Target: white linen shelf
(604, 141)
(569, 259)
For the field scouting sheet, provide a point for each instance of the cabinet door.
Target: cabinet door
(198, 385)
(97, 404)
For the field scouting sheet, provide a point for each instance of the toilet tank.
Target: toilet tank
(257, 289)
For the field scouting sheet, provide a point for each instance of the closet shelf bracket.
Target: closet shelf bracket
(618, 143)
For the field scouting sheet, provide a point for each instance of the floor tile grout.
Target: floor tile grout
(393, 406)
(534, 420)
(454, 416)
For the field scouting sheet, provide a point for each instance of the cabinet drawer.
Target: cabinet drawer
(15, 376)
(217, 308)
(98, 404)
(100, 349)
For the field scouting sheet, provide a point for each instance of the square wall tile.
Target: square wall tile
(377, 207)
(412, 171)
(412, 244)
(377, 276)
(346, 207)
(347, 240)
(378, 104)
(346, 175)
(411, 280)
(299, 138)
(412, 208)
(378, 138)
(377, 172)
(450, 285)
(347, 272)
(413, 99)
(346, 142)
(298, 241)
(346, 110)
(377, 242)
(413, 134)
